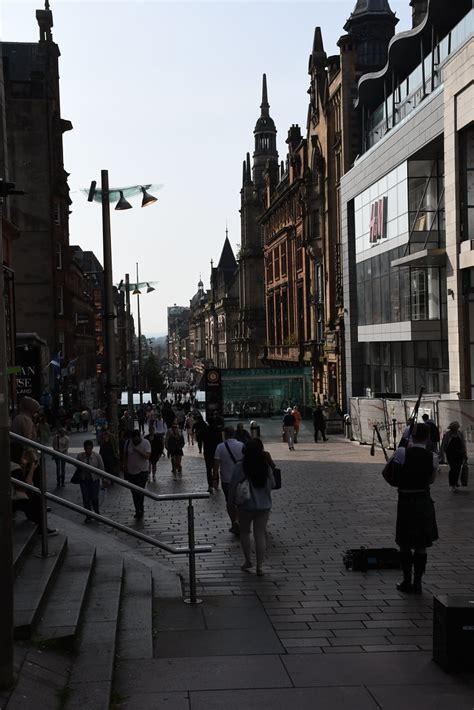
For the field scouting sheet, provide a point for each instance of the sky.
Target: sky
(168, 93)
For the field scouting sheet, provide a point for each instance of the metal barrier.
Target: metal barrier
(191, 550)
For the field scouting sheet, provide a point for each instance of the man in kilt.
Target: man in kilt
(415, 470)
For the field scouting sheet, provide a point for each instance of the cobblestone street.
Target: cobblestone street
(333, 498)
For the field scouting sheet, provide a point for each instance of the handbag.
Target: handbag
(76, 476)
(277, 477)
(465, 474)
(242, 492)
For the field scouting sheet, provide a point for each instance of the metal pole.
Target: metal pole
(44, 505)
(6, 532)
(109, 307)
(140, 377)
(128, 336)
(192, 557)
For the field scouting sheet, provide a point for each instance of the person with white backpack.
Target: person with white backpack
(250, 491)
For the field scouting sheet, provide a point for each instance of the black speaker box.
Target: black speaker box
(453, 632)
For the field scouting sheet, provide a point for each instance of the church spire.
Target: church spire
(265, 106)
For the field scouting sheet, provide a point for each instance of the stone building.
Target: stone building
(197, 327)
(178, 334)
(34, 129)
(250, 336)
(222, 310)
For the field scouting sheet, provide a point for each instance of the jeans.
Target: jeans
(455, 466)
(232, 510)
(138, 479)
(290, 432)
(260, 520)
(90, 494)
(60, 470)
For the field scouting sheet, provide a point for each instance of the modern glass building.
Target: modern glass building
(408, 217)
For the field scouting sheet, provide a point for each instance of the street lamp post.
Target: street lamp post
(104, 196)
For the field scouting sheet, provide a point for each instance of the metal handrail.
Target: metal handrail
(190, 550)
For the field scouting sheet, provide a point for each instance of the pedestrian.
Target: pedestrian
(174, 443)
(188, 425)
(289, 428)
(110, 454)
(199, 430)
(43, 430)
(61, 444)
(226, 455)
(89, 480)
(160, 431)
(180, 418)
(85, 416)
(319, 423)
(242, 434)
(453, 448)
(296, 413)
(29, 503)
(156, 450)
(253, 467)
(136, 456)
(433, 440)
(141, 416)
(212, 438)
(76, 420)
(416, 528)
(24, 425)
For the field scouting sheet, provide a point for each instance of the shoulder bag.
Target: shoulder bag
(277, 477)
(242, 492)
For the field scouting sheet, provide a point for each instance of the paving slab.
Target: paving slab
(207, 673)
(155, 701)
(300, 699)
(423, 697)
(391, 669)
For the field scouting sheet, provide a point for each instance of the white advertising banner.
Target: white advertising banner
(461, 411)
(372, 412)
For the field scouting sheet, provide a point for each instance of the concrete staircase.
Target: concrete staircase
(75, 612)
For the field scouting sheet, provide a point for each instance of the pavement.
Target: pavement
(308, 634)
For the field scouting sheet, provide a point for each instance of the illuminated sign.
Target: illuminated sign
(378, 220)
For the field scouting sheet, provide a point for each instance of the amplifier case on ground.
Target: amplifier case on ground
(453, 632)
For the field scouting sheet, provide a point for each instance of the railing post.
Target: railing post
(191, 557)
(44, 505)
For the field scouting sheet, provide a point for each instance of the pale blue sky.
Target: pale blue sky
(168, 93)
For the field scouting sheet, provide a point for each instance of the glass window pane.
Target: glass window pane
(394, 296)
(404, 274)
(376, 301)
(421, 354)
(397, 354)
(408, 354)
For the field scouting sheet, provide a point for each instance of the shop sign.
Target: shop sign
(378, 220)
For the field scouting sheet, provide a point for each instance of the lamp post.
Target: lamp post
(104, 196)
(136, 292)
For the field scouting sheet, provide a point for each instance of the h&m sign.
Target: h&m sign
(378, 220)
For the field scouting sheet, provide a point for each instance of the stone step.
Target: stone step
(135, 637)
(61, 616)
(90, 682)
(24, 538)
(33, 582)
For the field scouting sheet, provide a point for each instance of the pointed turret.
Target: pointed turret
(227, 261)
(265, 139)
(318, 56)
(372, 23)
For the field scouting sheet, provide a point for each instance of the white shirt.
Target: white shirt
(225, 460)
(136, 463)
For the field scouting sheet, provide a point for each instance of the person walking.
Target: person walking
(256, 510)
(296, 413)
(319, 423)
(90, 481)
(43, 430)
(242, 434)
(110, 454)
(226, 455)
(433, 441)
(188, 425)
(137, 453)
(416, 529)
(453, 448)
(289, 428)
(61, 444)
(85, 417)
(212, 438)
(174, 443)
(156, 450)
(28, 503)
(199, 431)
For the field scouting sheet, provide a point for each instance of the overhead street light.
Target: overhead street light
(105, 196)
(136, 292)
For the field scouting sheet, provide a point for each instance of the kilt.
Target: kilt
(416, 520)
